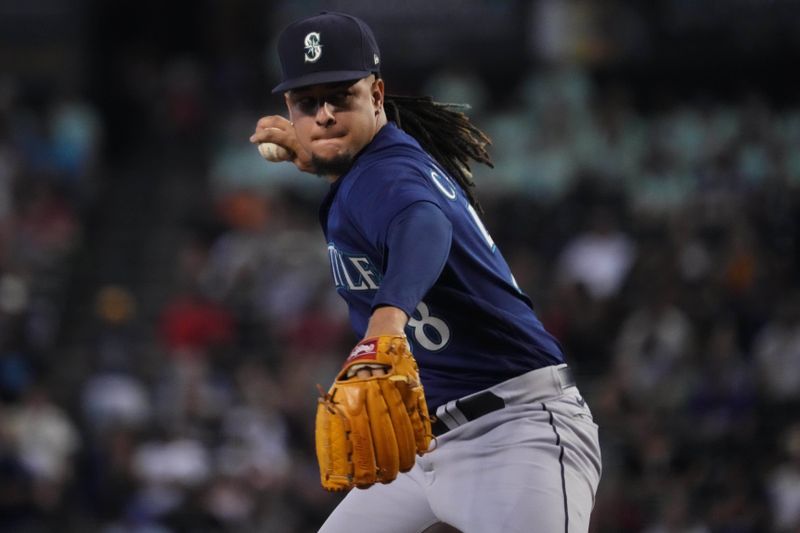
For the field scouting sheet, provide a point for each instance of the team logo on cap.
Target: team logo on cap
(313, 47)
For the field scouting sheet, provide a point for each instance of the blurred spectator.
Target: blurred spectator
(783, 485)
(113, 399)
(45, 227)
(77, 133)
(650, 351)
(255, 446)
(191, 392)
(777, 353)
(45, 441)
(167, 467)
(14, 295)
(171, 460)
(16, 374)
(115, 335)
(193, 324)
(598, 258)
(723, 398)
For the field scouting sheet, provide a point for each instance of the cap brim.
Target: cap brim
(316, 78)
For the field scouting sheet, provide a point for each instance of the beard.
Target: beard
(335, 166)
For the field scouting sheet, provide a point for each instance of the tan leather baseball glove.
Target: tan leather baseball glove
(370, 428)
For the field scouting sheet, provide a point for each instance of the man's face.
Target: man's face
(335, 121)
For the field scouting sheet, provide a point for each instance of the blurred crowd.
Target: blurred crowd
(660, 245)
(49, 146)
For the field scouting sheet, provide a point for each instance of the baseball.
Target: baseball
(274, 152)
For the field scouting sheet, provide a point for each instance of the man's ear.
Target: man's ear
(377, 94)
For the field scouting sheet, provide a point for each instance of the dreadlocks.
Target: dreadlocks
(445, 132)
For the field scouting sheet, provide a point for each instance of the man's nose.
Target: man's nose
(325, 116)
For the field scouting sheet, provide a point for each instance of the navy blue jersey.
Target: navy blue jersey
(473, 328)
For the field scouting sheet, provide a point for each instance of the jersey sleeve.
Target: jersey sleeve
(414, 264)
(381, 193)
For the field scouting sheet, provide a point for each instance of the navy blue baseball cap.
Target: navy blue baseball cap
(326, 48)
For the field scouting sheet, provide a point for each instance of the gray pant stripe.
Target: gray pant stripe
(561, 463)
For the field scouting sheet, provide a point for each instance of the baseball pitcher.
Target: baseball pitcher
(457, 407)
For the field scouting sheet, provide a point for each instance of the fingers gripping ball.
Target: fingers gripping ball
(369, 429)
(274, 152)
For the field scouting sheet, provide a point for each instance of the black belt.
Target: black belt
(485, 402)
